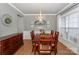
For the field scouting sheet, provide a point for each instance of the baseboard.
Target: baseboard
(69, 45)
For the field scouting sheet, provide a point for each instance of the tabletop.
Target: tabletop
(43, 37)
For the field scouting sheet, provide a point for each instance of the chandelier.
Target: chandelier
(40, 17)
(40, 20)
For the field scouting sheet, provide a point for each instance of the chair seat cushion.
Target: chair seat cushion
(45, 47)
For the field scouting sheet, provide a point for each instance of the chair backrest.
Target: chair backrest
(56, 36)
(52, 31)
(42, 31)
(32, 34)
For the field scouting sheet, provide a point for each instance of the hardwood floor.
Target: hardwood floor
(26, 49)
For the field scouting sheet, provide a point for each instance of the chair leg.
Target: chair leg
(34, 52)
(55, 51)
(34, 49)
(50, 52)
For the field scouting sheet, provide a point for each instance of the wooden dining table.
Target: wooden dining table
(44, 38)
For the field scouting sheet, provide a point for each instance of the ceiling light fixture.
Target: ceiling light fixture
(40, 17)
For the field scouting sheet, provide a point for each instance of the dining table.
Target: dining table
(43, 37)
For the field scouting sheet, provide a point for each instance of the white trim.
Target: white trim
(24, 13)
(16, 8)
(70, 12)
(65, 8)
(26, 35)
(69, 45)
(38, 14)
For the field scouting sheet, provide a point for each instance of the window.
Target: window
(70, 26)
(73, 20)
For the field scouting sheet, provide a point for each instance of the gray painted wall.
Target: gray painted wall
(7, 30)
(19, 24)
(29, 20)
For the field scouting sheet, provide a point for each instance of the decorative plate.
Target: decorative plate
(6, 19)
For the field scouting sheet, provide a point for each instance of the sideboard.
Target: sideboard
(11, 43)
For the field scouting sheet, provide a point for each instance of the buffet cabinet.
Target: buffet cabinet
(11, 44)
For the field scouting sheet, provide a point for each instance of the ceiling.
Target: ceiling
(34, 8)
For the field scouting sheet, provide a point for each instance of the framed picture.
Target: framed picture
(6, 19)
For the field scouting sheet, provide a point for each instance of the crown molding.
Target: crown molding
(24, 13)
(38, 14)
(70, 4)
(16, 8)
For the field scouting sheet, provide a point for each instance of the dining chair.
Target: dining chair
(52, 31)
(34, 45)
(45, 45)
(44, 48)
(32, 37)
(54, 42)
(42, 31)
